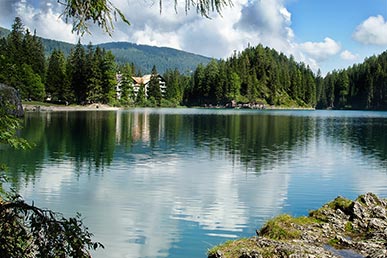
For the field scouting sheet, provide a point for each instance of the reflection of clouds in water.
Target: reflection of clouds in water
(137, 211)
(52, 180)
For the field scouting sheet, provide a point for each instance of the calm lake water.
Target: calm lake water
(175, 182)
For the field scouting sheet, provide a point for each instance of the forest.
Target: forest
(257, 75)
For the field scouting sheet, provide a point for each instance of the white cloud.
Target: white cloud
(347, 55)
(372, 31)
(45, 19)
(321, 50)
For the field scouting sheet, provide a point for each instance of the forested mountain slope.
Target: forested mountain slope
(142, 56)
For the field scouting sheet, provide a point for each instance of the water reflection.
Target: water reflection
(170, 183)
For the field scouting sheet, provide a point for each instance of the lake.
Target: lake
(175, 182)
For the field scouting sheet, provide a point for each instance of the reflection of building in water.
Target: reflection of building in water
(118, 127)
(140, 126)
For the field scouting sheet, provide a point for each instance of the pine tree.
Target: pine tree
(141, 98)
(56, 82)
(109, 81)
(77, 73)
(94, 60)
(127, 94)
(154, 86)
(235, 85)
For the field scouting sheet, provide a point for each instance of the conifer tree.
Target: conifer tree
(56, 82)
(154, 86)
(77, 73)
(109, 82)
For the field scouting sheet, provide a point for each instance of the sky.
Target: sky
(325, 34)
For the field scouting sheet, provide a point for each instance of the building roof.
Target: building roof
(142, 80)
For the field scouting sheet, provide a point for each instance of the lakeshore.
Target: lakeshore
(48, 107)
(340, 228)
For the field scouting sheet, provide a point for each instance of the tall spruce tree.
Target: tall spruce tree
(77, 73)
(154, 90)
(57, 87)
(109, 81)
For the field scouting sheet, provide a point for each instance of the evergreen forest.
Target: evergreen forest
(255, 76)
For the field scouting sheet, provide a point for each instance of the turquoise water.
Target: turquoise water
(175, 182)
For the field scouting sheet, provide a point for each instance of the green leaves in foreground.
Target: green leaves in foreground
(28, 231)
(9, 125)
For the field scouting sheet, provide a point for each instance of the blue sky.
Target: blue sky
(325, 35)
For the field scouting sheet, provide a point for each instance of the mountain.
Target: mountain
(142, 56)
(4, 32)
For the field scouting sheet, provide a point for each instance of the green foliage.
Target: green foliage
(141, 98)
(154, 87)
(57, 85)
(127, 94)
(256, 75)
(22, 63)
(9, 124)
(76, 72)
(103, 12)
(28, 231)
(100, 12)
(362, 86)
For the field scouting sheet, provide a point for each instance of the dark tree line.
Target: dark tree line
(256, 75)
(362, 86)
(86, 75)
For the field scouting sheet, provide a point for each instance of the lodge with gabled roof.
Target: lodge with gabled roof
(138, 82)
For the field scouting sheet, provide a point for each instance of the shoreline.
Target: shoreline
(340, 228)
(37, 107)
(92, 107)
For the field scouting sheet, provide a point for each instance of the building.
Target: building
(138, 82)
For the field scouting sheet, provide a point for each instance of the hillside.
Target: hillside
(143, 56)
(3, 32)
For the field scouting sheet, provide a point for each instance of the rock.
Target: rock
(341, 228)
(9, 96)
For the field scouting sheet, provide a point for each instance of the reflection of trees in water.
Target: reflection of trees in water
(367, 135)
(84, 138)
(89, 138)
(257, 140)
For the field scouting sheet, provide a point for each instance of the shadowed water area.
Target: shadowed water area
(175, 182)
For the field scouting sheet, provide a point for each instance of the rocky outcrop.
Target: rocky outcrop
(10, 100)
(341, 228)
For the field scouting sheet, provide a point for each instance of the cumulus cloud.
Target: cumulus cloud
(347, 55)
(45, 18)
(321, 50)
(372, 31)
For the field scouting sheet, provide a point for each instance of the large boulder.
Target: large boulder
(10, 99)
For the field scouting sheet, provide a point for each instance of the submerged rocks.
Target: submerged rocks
(9, 99)
(340, 228)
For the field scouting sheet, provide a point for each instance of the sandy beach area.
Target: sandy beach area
(91, 107)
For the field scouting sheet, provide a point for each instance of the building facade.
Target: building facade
(138, 82)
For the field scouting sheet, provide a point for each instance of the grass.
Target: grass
(340, 203)
(233, 247)
(283, 227)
